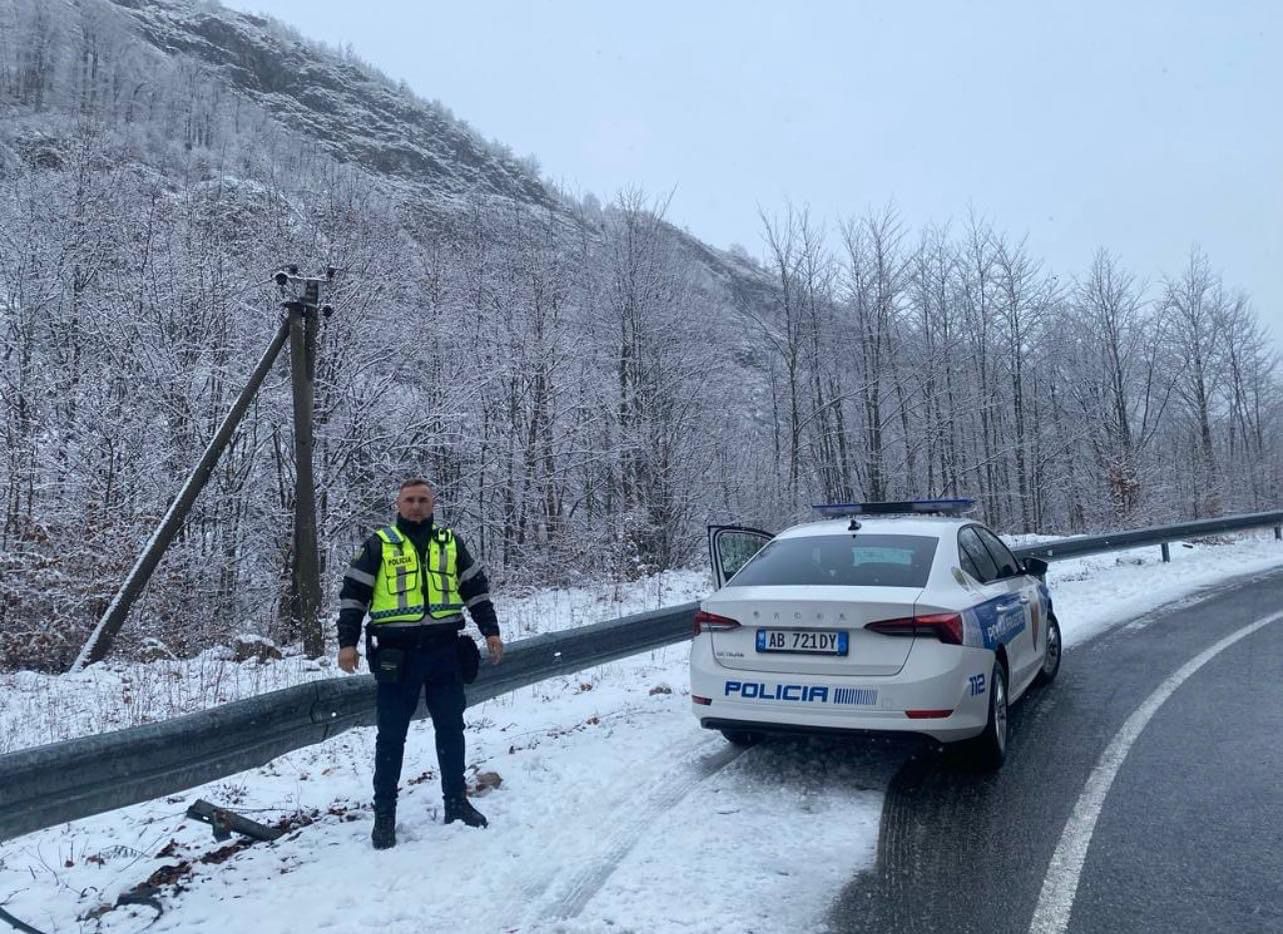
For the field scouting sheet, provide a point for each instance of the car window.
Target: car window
(969, 544)
(846, 560)
(968, 564)
(1008, 566)
(735, 547)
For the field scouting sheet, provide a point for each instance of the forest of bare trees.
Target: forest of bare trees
(951, 361)
(586, 389)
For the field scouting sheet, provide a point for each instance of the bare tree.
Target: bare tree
(875, 277)
(1194, 307)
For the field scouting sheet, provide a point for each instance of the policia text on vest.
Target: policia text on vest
(414, 580)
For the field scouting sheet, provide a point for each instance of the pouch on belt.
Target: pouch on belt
(388, 664)
(469, 658)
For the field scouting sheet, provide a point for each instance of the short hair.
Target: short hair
(414, 481)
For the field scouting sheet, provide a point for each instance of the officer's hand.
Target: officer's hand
(348, 659)
(494, 645)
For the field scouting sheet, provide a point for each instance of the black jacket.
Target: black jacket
(358, 583)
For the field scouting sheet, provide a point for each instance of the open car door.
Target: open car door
(730, 547)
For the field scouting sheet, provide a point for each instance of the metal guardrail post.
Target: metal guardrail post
(1167, 553)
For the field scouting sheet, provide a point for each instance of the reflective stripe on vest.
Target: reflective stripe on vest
(399, 588)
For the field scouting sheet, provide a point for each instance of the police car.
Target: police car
(886, 617)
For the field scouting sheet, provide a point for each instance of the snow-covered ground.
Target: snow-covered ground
(615, 813)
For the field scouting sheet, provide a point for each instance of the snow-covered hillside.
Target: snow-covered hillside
(353, 112)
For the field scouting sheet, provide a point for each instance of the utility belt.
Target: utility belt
(422, 635)
(387, 647)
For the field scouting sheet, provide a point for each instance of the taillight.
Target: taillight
(711, 622)
(947, 627)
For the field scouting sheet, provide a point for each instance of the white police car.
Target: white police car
(896, 617)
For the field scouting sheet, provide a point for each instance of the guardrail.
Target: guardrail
(48, 785)
(1079, 546)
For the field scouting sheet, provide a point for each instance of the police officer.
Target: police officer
(415, 579)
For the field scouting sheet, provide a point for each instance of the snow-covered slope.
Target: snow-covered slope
(355, 114)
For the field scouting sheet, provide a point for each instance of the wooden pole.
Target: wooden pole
(307, 576)
(99, 642)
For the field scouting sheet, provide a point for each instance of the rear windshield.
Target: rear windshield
(851, 560)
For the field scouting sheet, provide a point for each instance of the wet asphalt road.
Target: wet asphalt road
(1190, 837)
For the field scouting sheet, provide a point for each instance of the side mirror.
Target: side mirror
(1036, 567)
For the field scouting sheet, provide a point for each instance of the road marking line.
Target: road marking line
(1060, 885)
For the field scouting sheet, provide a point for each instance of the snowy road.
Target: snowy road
(616, 813)
(1102, 819)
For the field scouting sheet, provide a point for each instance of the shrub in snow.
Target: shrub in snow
(255, 647)
(154, 650)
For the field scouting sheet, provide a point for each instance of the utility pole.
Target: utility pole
(299, 327)
(305, 602)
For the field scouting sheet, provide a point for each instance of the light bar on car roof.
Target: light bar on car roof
(947, 507)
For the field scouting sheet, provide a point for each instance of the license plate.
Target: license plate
(803, 641)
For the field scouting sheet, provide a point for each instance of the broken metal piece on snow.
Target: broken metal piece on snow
(225, 822)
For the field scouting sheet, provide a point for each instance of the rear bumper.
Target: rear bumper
(748, 726)
(935, 677)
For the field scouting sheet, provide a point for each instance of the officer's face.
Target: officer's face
(415, 502)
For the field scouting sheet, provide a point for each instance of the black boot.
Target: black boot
(383, 836)
(461, 808)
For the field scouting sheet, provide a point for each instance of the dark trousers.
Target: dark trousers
(434, 671)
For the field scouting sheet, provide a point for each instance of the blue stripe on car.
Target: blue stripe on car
(994, 622)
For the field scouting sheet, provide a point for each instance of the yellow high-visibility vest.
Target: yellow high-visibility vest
(406, 591)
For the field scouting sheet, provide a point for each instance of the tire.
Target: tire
(1051, 656)
(988, 751)
(742, 738)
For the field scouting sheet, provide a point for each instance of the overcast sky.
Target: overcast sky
(1143, 127)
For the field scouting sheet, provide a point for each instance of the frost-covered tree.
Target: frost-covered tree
(586, 385)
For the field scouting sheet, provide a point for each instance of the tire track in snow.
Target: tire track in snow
(700, 761)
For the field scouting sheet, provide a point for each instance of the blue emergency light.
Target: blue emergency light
(940, 507)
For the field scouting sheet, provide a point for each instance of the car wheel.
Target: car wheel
(742, 738)
(989, 749)
(1051, 656)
